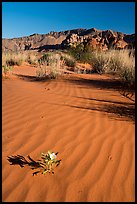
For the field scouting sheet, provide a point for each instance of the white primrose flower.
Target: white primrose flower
(53, 156)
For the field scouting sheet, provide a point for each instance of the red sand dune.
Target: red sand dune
(79, 120)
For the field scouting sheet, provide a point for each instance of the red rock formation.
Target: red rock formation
(120, 44)
(96, 39)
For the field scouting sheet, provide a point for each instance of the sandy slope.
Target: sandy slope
(81, 121)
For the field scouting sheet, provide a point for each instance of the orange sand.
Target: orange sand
(79, 120)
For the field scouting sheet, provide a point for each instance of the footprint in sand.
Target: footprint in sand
(110, 158)
(47, 89)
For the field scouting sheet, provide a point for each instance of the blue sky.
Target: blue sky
(25, 18)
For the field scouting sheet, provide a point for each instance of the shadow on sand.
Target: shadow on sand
(21, 161)
(108, 84)
(31, 78)
(123, 110)
(126, 113)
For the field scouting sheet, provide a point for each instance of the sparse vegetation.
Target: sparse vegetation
(64, 58)
(81, 53)
(6, 69)
(12, 58)
(115, 61)
(45, 59)
(17, 58)
(32, 59)
(121, 62)
(100, 61)
(68, 60)
(50, 66)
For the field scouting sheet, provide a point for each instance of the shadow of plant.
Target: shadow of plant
(116, 112)
(43, 165)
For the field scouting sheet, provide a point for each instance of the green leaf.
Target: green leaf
(49, 152)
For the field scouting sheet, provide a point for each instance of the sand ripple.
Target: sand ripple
(96, 146)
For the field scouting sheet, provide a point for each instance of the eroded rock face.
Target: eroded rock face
(94, 38)
(120, 44)
(101, 40)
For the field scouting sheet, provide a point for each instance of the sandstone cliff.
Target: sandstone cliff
(55, 40)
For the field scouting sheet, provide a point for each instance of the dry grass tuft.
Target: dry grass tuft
(50, 66)
(121, 62)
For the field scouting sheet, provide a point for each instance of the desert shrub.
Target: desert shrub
(50, 66)
(85, 57)
(121, 62)
(126, 66)
(47, 72)
(100, 61)
(12, 58)
(68, 60)
(32, 59)
(12, 62)
(6, 69)
(7, 63)
(81, 53)
(17, 58)
(45, 59)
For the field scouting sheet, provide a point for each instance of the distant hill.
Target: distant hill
(63, 39)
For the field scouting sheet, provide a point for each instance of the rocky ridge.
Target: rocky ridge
(94, 38)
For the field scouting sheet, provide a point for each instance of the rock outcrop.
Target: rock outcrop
(94, 38)
(101, 40)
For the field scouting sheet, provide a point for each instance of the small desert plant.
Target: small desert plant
(49, 161)
(46, 164)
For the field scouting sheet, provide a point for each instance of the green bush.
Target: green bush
(81, 53)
